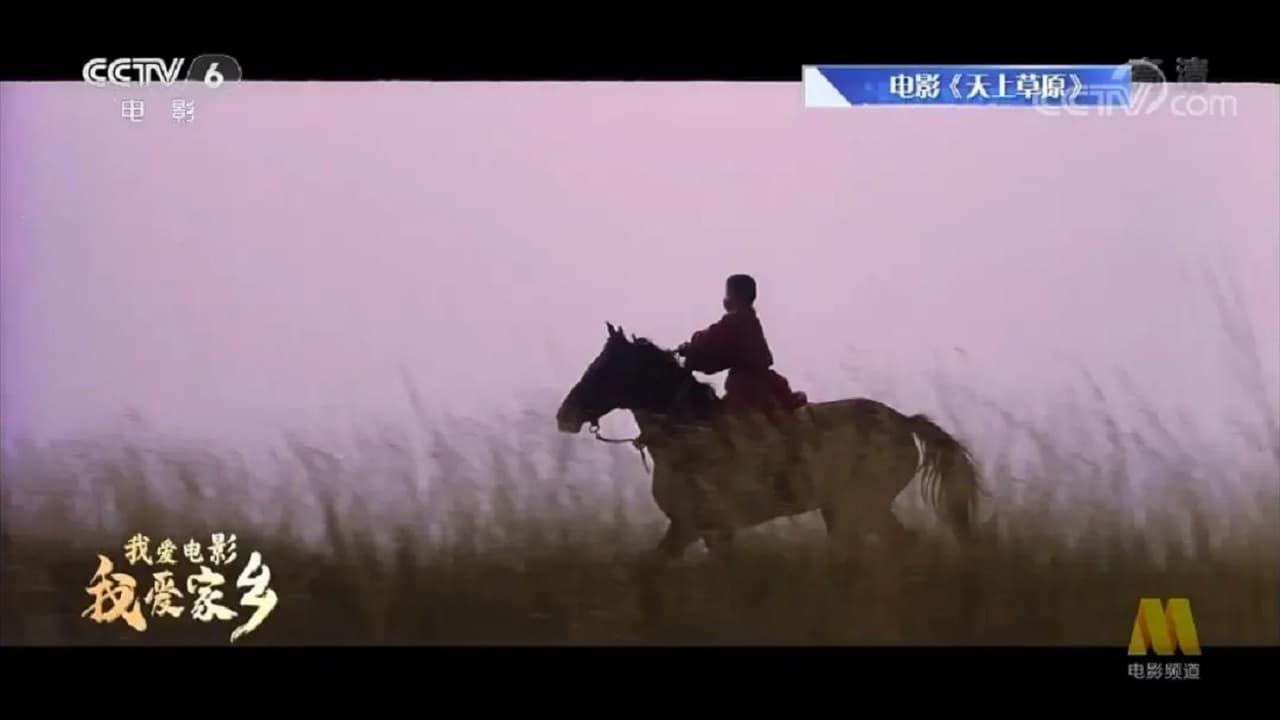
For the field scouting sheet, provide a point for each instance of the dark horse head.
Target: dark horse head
(639, 376)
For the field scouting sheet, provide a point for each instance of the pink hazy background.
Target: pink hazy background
(281, 260)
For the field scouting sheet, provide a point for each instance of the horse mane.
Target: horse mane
(666, 360)
(660, 355)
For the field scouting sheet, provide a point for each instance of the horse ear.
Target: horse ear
(612, 330)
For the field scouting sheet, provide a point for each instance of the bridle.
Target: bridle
(639, 442)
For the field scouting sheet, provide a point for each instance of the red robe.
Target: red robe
(736, 343)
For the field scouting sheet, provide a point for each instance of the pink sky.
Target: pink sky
(276, 261)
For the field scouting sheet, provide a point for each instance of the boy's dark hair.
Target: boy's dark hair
(742, 286)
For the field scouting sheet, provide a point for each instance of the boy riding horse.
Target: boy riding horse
(736, 343)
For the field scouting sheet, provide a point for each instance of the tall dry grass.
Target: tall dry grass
(392, 544)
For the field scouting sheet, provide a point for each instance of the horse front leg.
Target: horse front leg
(674, 541)
(647, 574)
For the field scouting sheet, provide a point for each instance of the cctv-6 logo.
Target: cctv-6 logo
(211, 70)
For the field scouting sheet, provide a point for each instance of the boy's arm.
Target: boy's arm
(710, 350)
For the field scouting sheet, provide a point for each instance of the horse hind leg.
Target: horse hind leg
(898, 538)
(845, 538)
(720, 544)
(862, 507)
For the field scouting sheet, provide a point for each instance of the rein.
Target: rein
(637, 442)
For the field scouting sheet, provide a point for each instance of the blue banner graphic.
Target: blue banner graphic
(958, 85)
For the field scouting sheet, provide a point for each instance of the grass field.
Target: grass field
(512, 534)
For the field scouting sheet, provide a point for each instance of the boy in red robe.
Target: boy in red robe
(736, 343)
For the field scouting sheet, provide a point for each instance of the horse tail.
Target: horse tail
(948, 478)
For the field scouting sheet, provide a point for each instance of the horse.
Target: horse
(715, 473)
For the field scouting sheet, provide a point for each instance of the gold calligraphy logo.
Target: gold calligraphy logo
(118, 596)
